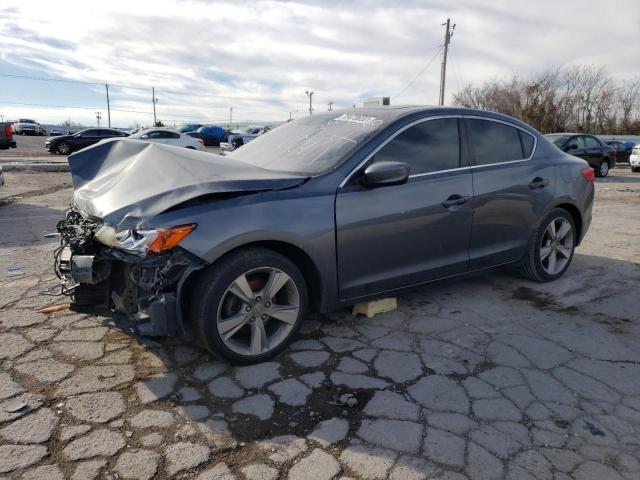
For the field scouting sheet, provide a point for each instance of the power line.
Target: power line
(131, 87)
(75, 107)
(48, 79)
(419, 73)
(177, 116)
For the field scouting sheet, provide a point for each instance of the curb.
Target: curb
(35, 167)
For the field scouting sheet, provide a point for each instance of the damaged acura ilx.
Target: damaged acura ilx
(320, 213)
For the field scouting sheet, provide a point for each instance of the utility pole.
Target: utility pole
(443, 72)
(98, 116)
(310, 95)
(154, 100)
(330, 106)
(106, 85)
(230, 116)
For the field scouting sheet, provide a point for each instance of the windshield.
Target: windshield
(310, 145)
(558, 140)
(25, 120)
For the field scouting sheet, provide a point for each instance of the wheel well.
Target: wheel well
(577, 218)
(293, 253)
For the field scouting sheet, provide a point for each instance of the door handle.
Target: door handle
(538, 183)
(455, 200)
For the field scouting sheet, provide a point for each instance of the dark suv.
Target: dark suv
(601, 157)
(66, 144)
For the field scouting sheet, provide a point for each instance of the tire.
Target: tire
(536, 265)
(63, 149)
(635, 169)
(603, 170)
(215, 300)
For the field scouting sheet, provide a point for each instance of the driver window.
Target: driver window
(579, 141)
(429, 146)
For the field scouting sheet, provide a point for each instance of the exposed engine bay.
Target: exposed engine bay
(100, 278)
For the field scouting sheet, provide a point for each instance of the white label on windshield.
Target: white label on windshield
(359, 119)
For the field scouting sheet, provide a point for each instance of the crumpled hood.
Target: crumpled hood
(126, 182)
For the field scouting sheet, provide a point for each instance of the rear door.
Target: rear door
(511, 190)
(395, 236)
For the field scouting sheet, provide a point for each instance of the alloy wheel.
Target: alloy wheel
(63, 148)
(556, 246)
(258, 311)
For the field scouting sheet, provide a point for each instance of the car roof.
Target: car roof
(571, 133)
(391, 113)
(163, 129)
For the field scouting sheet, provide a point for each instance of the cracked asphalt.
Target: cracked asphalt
(487, 377)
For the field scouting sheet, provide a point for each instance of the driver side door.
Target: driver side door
(390, 237)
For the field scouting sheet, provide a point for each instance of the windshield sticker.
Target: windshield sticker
(358, 119)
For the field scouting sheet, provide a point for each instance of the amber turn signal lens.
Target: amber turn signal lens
(170, 238)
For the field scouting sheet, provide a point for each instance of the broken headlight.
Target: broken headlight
(144, 242)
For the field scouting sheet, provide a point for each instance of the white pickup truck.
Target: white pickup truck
(25, 126)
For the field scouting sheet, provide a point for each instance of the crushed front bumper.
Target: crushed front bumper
(146, 291)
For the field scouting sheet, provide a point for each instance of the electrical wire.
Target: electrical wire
(420, 72)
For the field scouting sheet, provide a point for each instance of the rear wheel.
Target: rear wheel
(551, 248)
(635, 169)
(603, 169)
(249, 306)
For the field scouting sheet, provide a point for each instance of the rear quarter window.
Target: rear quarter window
(527, 143)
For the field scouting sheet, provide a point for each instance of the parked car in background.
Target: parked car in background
(66, 144)
(599, 155)
(634, 159)
(6, 136)
(621, 150)
(323, 212)
(168, 136)
(211, 135)
(189, 127)
(237, 138)
(55, 132)
(25, 126)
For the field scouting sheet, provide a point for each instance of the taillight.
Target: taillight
(8, 131)
(201, 141)
(589, 174)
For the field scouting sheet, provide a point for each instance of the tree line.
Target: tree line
(562, 99)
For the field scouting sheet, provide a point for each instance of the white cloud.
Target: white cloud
(277, 50)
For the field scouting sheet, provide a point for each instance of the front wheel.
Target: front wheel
(63, 148)
(551, 247)
(249, 306)
(603, 169)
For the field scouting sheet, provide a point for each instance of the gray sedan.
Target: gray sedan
(320, 213)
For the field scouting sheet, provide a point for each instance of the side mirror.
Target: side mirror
(572, 146)
(384, 173)
(144, 136)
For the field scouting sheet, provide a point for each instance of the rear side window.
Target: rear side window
(172, 135)
(429, 146)
(494, 142)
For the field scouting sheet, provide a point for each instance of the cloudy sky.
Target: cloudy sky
(259, 57)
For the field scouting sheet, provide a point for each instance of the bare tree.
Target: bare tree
(580, 98)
